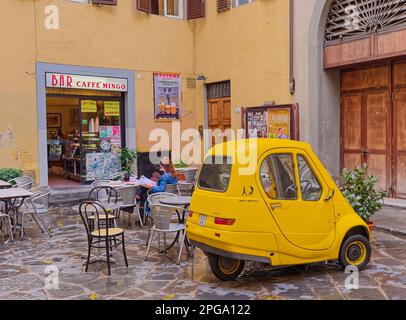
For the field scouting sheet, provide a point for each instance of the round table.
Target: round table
(176, 201)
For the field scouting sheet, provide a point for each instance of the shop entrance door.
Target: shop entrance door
(373, 124)
(219, 117)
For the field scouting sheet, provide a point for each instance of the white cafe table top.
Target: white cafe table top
(14, 193)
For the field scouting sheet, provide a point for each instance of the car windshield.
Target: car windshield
(215, 174)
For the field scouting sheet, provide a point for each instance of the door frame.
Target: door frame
(129, 98)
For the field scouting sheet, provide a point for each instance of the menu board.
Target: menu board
(101, 165)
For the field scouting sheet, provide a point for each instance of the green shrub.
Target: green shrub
(127, 157)
(7, 174)
(360, 190)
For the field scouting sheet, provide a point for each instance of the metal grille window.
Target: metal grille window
(219, 90)
(351, 19)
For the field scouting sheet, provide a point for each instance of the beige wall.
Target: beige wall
(247, 45)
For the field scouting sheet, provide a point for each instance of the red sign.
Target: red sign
(68, 81)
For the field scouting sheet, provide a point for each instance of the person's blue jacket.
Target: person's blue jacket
(165, 179)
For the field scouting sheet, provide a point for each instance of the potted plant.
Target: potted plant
(361, 192)
(127, 158)
(7, 174)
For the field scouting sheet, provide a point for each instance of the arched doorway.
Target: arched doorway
(362, 44)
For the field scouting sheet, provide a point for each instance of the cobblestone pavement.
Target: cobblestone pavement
(23, 267)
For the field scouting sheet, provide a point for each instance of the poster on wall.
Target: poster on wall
(279, 124)
(274, 122)
(257, 124)
(101, 165)
(167, 96)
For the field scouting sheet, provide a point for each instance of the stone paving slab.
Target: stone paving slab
(24, 265)
(391, 219)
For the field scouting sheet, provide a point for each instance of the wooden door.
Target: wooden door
(366, 122)
(219, 118)
(377, 136)
(399, 130)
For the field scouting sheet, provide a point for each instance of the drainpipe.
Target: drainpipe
(292, 83)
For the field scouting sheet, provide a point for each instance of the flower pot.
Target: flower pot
(371, 226)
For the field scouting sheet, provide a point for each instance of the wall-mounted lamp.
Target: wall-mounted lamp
(201, 77)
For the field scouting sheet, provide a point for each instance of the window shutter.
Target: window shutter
(105, 2)
(223, 5)
(195, 9)
(144, 5)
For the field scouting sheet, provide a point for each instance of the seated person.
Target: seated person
(168, 177)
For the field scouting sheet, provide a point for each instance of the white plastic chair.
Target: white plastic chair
(24, 182)
(162, 216)
(35, 206)
(128, 196)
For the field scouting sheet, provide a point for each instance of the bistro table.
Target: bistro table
(10, 197)
(5, 185)
(179, 202)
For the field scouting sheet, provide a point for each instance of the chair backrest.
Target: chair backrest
(103, 193)
(118, 176)
(172, 188)
(24, 182)
(99, 183)
(90, 212)
(162, 215)
(41, 197)
(155, 197)
(128, 195)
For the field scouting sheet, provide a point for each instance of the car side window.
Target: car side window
(309, 185)
(277, 175)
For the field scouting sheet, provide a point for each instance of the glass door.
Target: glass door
(101, 137)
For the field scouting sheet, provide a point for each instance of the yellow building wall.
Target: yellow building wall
(243, 45)
(248, 45)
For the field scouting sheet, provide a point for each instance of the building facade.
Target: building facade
(107, 74)
(350, 74)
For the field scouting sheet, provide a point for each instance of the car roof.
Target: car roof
(231, 148)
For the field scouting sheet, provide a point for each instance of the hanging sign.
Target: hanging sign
(112, 108)
(88, 106)
(167, 88)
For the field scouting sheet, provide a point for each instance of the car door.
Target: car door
(297, 197)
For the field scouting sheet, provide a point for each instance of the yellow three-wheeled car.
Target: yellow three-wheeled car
(272, 201)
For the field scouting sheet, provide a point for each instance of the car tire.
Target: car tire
(355, 251)
(225, 269)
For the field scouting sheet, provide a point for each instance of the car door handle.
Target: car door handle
(275, 206)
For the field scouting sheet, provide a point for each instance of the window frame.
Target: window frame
(181, 8)
(230, 161)
(319, 178)
(295, 174)
(237, 4)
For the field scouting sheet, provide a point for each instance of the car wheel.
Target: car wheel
(355, 251)
(224, 268)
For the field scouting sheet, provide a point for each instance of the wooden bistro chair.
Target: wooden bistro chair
(108, 197)
(100, 233)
